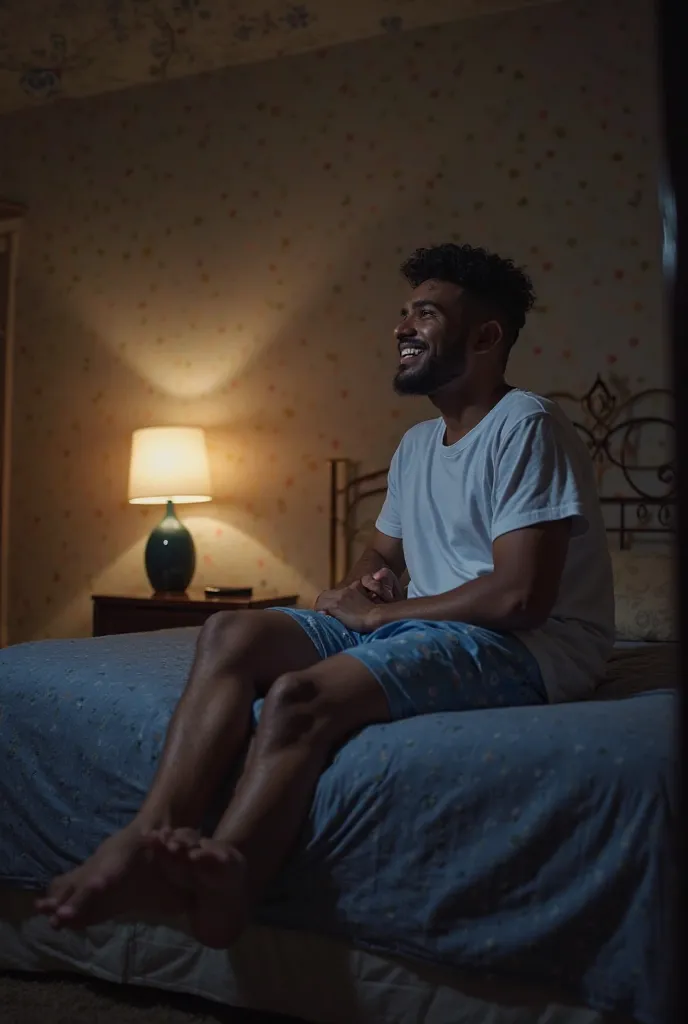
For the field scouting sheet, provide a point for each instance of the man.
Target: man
(492, 509)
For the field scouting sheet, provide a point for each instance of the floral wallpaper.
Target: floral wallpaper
(51, 48)
(222, 251)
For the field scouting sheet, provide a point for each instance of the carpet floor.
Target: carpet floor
(65, 999)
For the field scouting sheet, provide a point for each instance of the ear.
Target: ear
(490, 336)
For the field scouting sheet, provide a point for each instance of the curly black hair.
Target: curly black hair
(499, 282)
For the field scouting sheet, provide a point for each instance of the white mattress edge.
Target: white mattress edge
(318, 979)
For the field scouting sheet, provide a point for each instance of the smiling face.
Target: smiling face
(434, 338)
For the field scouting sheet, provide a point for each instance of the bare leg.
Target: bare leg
(306, 716)
(239, 654)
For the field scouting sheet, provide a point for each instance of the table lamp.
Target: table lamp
(168, 465)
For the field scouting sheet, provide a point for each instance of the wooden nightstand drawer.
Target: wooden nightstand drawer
(143, 614)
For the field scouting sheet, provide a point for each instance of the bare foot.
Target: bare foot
(213, 874)
(117, 878)
(170, 849)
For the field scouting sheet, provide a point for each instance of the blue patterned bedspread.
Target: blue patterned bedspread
(531, 842)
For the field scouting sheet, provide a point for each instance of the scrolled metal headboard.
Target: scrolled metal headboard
(630, 439)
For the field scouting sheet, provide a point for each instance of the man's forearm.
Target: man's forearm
(369, 562)
(484, 601)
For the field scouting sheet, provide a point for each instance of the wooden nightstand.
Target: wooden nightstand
(145, 613)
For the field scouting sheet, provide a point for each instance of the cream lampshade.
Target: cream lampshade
(168, 465)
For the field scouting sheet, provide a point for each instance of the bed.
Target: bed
(498, 866)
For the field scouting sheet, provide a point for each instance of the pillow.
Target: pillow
(644, 596)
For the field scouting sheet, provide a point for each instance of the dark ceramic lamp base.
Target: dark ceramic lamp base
(170, 555)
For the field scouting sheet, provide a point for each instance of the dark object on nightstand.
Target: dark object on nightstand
(244, 592)
(146, 613)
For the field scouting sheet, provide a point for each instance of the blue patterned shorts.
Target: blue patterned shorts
(425, 667)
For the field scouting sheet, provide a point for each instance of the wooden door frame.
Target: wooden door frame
(11, 219)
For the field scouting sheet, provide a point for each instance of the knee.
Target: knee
(229, 633)
(294, 711)
(216, 629)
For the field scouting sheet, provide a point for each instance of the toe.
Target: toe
(182, 840)
(209, 852)
(45, 905)
(74, 905)
(157, 838)
(59, 890)
(66, 912)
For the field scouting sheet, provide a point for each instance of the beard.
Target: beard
(431, 374)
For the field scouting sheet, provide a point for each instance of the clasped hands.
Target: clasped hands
(355, 605)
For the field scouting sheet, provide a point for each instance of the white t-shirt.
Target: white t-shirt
(523, 464)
